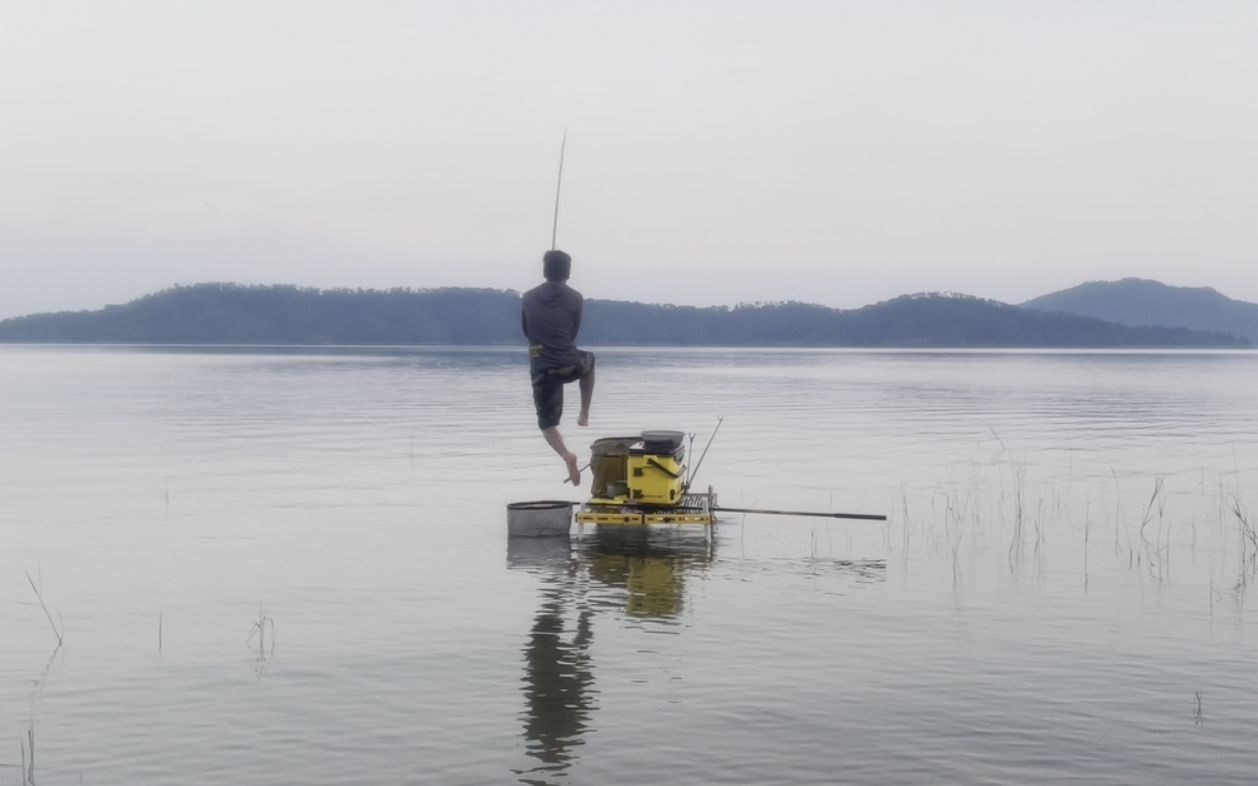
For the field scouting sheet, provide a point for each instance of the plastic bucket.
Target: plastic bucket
(546, 518)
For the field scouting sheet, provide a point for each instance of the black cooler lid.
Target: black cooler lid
(662, 441)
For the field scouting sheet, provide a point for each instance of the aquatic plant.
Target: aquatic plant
(37, 588)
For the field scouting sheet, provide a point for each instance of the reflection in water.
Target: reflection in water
(650, 564)
(558, 680)
(643, 568)
(558, 684)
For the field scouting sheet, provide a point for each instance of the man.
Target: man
(551, 319)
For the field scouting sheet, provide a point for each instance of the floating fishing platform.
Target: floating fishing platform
(644, 479)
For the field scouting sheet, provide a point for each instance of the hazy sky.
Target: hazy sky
(833, 152)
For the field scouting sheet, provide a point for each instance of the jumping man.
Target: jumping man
(551, 319)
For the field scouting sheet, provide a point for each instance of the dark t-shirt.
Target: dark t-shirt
(551, 319)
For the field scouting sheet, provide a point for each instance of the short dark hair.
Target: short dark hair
(556, 265)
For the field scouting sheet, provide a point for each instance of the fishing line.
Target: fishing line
(554, 229)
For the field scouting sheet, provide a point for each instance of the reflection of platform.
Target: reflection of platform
(693, 509)
(650, 564)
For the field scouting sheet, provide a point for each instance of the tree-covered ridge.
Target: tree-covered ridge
(223, 313)
(284, 314)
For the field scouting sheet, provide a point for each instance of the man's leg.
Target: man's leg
(586, 385)
(548, 398)
(555, 440)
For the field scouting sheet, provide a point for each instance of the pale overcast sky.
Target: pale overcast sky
(725, 151)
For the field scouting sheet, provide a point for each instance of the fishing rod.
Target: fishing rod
(814, 514)
(554, 229)
(719, 420)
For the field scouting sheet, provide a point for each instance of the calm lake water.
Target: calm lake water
(276, 566)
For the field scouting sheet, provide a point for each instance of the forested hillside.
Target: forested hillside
(234, 314)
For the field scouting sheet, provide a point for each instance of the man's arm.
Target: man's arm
(524, 322)
(576, 317)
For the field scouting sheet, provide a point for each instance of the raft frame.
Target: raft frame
(691, 509)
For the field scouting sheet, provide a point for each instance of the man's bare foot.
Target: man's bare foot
(584, 419)
(574, 472)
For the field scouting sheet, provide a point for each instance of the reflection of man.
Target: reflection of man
(551, 319)
(557, 686)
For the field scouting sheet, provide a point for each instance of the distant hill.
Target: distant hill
(234, 314)
(1138, 301)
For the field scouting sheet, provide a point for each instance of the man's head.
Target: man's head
(556, 265)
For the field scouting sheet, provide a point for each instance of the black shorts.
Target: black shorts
(548, 388)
